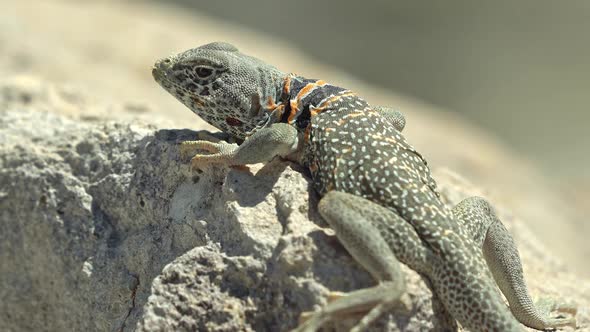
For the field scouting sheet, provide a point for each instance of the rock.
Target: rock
(104, 228)
(112, 69)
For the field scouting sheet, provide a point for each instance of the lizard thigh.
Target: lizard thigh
(374, 236)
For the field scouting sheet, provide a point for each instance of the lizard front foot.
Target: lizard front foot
(221, 153)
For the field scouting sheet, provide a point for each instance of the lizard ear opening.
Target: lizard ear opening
(255, 106)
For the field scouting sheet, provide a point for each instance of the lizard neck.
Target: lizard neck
(303, 98)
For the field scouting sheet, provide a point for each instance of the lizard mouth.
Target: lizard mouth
(162, 76)
(159, 75)
(156, 74)
(160, 70)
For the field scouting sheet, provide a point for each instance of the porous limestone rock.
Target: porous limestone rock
(104, 228)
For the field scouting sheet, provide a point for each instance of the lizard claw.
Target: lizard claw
(198, 162)
(333, 296)
(221, 153)
(307, 315)
(190, 147)
(310, 321)
(548, 306)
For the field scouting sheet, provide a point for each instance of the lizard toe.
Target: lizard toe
(566, 313)
(199, 162)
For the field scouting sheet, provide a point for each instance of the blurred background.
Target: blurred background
(520, 69)
(497, 91)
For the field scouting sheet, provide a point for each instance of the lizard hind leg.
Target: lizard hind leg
(503, 260)
(363, 228)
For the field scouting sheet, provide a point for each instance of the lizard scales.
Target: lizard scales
(378, 193)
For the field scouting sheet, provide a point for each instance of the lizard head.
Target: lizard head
(230, 90)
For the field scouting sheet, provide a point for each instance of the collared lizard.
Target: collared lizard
(377, 191)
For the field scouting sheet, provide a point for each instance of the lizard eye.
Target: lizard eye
(204, 72)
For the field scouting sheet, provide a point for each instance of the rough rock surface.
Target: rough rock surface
(104, 228)
(86, 45)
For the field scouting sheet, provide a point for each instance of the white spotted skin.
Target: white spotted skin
(353, 149)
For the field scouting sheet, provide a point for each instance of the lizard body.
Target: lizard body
(377, 191)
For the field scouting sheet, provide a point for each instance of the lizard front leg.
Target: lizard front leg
(503, 260)
(279, 139)
(378, 239)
